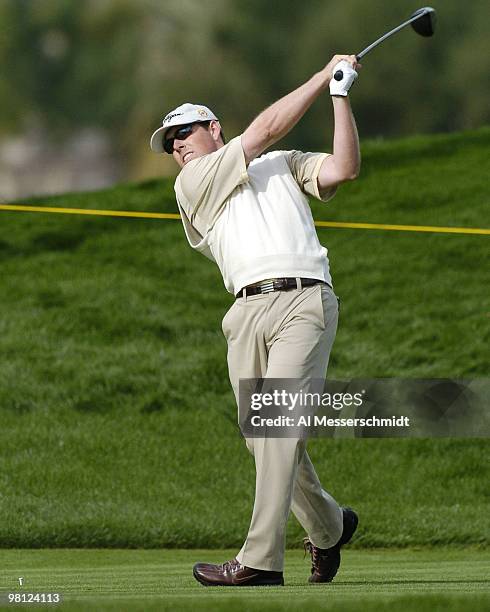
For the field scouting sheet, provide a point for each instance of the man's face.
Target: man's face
(202, 139)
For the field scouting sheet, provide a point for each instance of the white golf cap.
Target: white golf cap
(182, 115)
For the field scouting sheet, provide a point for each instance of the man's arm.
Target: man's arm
(345, 162)
(276, 121)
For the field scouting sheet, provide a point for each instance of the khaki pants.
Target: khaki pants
(283, 334)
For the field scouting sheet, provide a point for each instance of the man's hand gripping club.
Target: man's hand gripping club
(345, 69)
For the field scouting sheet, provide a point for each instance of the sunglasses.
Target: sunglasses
(181, 134)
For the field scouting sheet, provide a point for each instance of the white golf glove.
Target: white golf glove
(341, 88)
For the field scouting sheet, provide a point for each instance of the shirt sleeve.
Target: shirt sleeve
(205, 183)
(305, 167)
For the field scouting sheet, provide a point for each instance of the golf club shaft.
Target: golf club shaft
(339, 75)
(387, 35)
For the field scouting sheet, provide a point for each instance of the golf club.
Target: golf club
(423, 21)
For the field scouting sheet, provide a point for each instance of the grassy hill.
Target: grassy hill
(118, 424)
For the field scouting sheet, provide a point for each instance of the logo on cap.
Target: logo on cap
(202, 112)
(168, 117)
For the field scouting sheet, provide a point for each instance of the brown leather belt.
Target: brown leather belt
(277, 284)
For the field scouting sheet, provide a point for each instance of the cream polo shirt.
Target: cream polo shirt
(255, 222)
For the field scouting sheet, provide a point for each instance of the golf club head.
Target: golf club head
(424, 25)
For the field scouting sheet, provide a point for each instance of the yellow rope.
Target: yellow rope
(151, 215)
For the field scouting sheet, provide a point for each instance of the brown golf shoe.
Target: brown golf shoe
(326, 561)
(232, 573)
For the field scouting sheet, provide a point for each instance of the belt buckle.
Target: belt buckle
(267, 287)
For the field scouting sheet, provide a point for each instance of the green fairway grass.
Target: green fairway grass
(418, 580)
(117, 420)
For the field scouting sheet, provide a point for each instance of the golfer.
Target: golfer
(248, 212)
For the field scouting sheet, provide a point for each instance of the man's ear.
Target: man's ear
(215, 129)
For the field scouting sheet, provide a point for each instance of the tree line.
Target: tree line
(121, 65)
